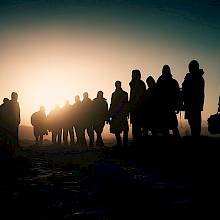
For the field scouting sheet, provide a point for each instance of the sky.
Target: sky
(51, 51)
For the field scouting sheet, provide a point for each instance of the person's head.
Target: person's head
(100, 94)
(166, 71)
(136, 74)
(85, 95)
(118, 85)
(42, 109)
(77, 98)
(150, 82)
(5, 100)
(193, 66)
(14, 96)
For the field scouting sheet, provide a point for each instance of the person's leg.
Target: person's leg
(65, 135)
(77, 135)
(195, 124)
(53, 137)
(41, 139)
(16, 135)
(118, 139)
(90, 132)
(99, 139)
(71, 132)
(99, 130)
(82, 137)
(136, 132)
(59, 136)
(125, 138)
(36, 139)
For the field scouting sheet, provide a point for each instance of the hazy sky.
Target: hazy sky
(53, 50)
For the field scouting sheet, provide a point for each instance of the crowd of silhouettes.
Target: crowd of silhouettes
(152, 109)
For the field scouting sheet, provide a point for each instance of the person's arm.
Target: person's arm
(219, 104)
(106, 112)
(127, 106)
(202, 94)
(19, 116)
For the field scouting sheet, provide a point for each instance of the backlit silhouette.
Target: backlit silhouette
(67, 122)
(150, 107)
(39, 122)
(54, 124)
(14, 116)
(168, 95)
(118, 114)
(77, 121)
(87, 114)
(193, 94)
(136, 102)
(100, 107)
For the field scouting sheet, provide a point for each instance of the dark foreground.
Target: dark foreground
(56, 182)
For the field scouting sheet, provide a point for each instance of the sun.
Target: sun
(51, 92)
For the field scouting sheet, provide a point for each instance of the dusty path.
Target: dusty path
(92, 183)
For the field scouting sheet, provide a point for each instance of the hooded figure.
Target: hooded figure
(168, 102)
(137, 99)
(150, 107)
(193, 95)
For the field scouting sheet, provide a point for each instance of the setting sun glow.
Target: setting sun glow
(52, 64)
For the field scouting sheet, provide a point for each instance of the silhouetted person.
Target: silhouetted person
(14, 116)
(4, 115)
(39, 122)
(168, 93)
(54, 124)
(150, 108)
(137, 99)
(87, 114)
(100, 107)
(5, 131)
(67, 121)
(193, 95)
(77, 121)
(118, 113)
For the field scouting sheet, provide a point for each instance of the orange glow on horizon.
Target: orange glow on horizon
(48, 66)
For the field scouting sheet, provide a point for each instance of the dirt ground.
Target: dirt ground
(54, 181)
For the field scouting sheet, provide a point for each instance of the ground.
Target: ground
(53, 181)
